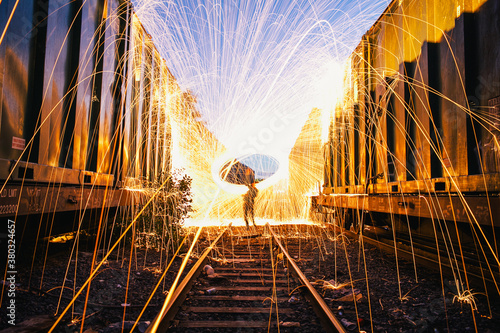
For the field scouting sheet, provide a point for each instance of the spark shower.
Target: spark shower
(264, 77)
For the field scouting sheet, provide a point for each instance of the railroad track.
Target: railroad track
(424, 252)
(250, 283)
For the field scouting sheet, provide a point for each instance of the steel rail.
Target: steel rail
(182, 290)
(328, 320)
(425, 258)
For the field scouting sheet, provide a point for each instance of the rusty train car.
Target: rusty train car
(85, 99)
(414, 145)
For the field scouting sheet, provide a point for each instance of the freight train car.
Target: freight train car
(84, 103)
(416, 139)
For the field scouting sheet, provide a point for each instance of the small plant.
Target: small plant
(405, 296)
(163, 218)
(340, 238)
(333, 285)
(466, 296)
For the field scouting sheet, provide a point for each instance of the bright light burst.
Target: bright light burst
(238, 222)
(262, 77)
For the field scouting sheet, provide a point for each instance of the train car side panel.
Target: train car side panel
(432, 122)
(485, 90)
(109, 101)
(56, 81)
(84, 91)
(18, 88)
(89, 73)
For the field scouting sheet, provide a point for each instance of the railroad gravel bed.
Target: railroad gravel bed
(37, 300)
(423, 306)
(419, 307)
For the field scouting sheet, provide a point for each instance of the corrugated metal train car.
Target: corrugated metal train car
(416, 139)
(84, 106)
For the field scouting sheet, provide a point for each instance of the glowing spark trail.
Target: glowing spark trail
(214, 95)
(255, 72)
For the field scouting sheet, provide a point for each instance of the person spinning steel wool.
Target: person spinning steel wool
(248, 203)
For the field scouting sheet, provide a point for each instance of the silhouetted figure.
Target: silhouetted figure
(248, 203)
